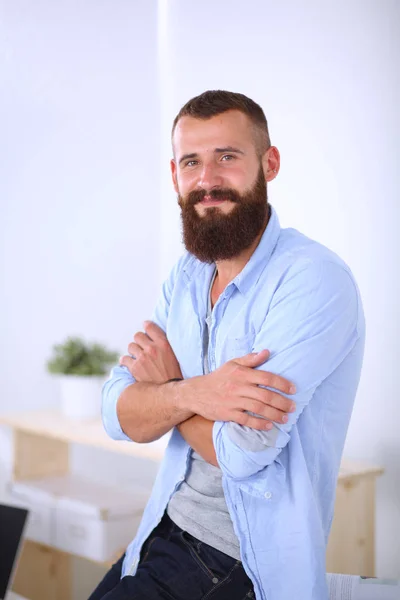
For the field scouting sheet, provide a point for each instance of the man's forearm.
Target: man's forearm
(146, 410)
(197, 432)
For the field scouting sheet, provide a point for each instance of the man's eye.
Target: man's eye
(227, 156)
(190, 163)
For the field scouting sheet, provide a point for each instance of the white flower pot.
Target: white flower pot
(81, 396)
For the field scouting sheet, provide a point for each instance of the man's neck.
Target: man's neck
(227, 270)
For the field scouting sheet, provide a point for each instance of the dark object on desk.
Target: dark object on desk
(12, 525)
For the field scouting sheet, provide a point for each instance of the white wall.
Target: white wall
(89, 223)
(79, 198)
(326, 74)
(79, 195)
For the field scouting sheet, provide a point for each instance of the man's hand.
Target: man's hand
(227, 394)
(155, 361)
(232, 389)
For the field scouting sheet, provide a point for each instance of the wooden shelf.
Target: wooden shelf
(41, 443)
(354, 469)
(52, 424)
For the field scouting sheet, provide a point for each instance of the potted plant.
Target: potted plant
(81, 369)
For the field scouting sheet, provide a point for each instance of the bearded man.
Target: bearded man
(252, 360)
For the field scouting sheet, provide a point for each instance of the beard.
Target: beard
(217, 236)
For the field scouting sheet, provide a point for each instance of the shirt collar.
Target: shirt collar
(251, 272)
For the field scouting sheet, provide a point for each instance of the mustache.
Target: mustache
(197, 196)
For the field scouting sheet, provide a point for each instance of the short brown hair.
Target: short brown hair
(215, 102)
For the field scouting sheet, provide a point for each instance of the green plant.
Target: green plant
(76, 357)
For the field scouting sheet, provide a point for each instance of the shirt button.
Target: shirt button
(215, 580)
(267, 495)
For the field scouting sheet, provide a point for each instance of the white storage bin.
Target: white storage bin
(97, 521)
(94, 534)
(41, 518)
(81, 517)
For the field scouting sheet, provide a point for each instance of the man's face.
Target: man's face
(220, 183)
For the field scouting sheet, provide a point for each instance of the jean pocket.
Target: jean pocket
(194, 547)
(215, 564)
(146, 549)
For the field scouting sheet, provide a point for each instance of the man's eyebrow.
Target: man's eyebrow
(216, 151)
(228, 149)
(187, 157)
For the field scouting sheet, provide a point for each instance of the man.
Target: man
(252, 359)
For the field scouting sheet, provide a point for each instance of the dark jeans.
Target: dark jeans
(176, 566)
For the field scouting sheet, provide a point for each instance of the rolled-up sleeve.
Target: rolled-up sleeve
(120, 377)
(311, 326)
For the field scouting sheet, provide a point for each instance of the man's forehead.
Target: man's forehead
(230, 128)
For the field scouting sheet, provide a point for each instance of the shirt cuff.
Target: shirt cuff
(120, 379)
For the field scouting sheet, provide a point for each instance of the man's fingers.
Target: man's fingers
(254, 359)
(154, 331)
(277, 382)
(142, 340)
(266, 407)
(271, 413)
(135, 349)
(274, 399)
(242, 418)
(260, 377)
(127, 361)
(266, 378)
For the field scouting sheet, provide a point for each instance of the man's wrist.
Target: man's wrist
(175, 391)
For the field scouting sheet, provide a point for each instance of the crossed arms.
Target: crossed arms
(311, 326)
(151, 407)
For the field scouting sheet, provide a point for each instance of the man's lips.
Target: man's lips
(208, 201)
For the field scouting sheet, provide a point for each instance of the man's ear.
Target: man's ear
(271, 162)
(174, 175)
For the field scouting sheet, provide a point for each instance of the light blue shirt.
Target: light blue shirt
(299, 300)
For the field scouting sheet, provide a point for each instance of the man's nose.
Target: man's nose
(210, 177)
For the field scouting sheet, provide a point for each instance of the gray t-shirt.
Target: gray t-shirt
(198, 506)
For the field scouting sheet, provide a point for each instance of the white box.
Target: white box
(80, 516)
(99, 539)
(40, 527)
(97, 521)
